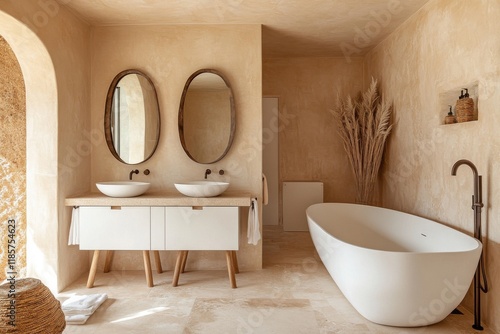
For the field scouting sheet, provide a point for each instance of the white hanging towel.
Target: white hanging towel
(253, 233)
(74, 229)
(265, 191)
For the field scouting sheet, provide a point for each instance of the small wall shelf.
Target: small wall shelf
(451, 96)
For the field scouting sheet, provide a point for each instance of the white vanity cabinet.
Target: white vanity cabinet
(161, 221)
(121, 228)
(158, 228)
(201, 228)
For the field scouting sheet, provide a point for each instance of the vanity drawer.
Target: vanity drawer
(208, 228)
(115, 228)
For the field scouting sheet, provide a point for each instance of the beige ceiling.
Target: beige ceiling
(290, 27)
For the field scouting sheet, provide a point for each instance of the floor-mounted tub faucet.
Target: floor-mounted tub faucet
(477, 204)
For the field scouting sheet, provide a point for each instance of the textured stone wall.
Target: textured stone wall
(12, 162)
(446, 45)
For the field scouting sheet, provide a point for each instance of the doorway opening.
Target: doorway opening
(41, 172)
(12, 163)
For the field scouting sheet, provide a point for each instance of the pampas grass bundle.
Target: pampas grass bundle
(364, 125)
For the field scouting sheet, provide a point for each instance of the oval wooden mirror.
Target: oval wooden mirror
(206, 116)
(132, 117)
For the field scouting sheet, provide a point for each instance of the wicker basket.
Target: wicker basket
(465, 110)
(36, 309)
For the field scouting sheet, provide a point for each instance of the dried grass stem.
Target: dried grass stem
(364, 125)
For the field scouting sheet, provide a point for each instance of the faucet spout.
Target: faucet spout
(477, 200)
(208, 172)
(132, 172)
(463, 162)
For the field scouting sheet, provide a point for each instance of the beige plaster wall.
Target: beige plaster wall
(70, 50)
(52, 47)
(446, 45)
(12, 164)
(309, 146)
(169, 55)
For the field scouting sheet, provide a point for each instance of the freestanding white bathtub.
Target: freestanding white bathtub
(395, 268)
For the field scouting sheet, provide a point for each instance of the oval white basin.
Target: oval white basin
(202, 188)
(123, 188)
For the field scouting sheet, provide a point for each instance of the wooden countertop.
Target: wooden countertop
(160, 199)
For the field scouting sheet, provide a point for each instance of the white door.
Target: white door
(270, 129)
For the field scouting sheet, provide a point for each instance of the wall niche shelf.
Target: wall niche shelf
(450, 97)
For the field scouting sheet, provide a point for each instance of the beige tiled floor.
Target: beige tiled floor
(293, 293)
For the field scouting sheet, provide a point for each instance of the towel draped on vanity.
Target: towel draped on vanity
(74, 229)
(265, 191)
(253, 232)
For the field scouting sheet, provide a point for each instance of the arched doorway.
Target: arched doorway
(12, 164)
(41, 149)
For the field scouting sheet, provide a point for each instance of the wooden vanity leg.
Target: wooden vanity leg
(177, 271)
(93, 269)
(230, 269)
(235, 262)
(147, 268)
(184, 261)
(159, 269)
(109, 259)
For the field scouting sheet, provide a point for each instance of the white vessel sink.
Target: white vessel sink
(202, 188)
(123, 188)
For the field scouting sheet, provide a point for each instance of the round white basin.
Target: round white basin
(123, 188)
(202, 188)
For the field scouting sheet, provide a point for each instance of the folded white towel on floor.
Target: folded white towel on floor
(83, 304)
(78, 319)
(80, 302)
(74, 229)
(253, 232)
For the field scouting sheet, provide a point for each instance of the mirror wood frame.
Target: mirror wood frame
(181, 115)
(108, 111)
